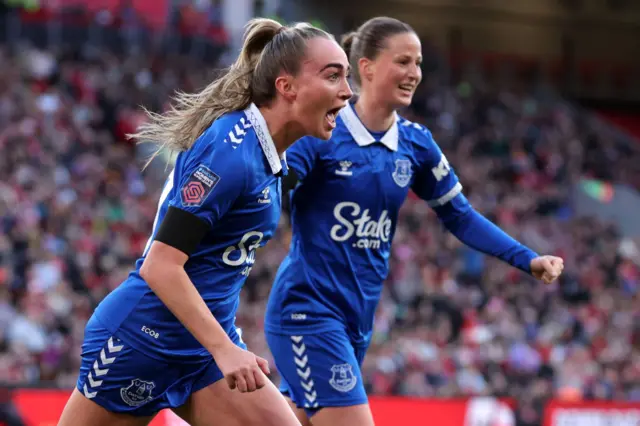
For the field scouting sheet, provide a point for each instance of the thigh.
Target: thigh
(344, 416)
(301, 415)
(80, 410)
(320, 370)
(220, 406)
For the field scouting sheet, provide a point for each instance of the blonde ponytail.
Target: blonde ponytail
(192, 113)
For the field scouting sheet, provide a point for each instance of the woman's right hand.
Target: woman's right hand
(241, 369)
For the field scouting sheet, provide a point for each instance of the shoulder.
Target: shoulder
(416, 135)
(229, 130)
(225, 145)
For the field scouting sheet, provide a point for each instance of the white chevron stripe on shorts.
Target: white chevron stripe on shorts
(100, 367)
(303, 369)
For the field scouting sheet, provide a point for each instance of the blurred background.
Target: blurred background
(536, 104)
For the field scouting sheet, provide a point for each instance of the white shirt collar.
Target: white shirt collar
(360, 133)
(266, 141)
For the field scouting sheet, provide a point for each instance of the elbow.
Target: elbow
(455, 213)
(148, 272)
(145, 271)
(156, 273)
(161, 262)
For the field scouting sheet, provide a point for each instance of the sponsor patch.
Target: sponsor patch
(198, 187)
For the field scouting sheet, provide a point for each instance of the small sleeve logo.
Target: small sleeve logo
(198, 187)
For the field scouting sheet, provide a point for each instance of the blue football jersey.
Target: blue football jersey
(230, 179)
(344, 215)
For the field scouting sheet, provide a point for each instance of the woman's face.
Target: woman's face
(395, 73)
(321, 87)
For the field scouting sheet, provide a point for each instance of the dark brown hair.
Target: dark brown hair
(369, 39)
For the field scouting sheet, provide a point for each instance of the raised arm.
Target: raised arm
(437, 183)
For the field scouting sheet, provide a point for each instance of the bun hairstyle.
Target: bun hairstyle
(268, 48)
(370, 39)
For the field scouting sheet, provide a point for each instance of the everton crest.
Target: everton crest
(137, 393)
(402, 174)
(343, 379)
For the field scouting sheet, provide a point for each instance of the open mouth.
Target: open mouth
(407, 88)
(331, 116)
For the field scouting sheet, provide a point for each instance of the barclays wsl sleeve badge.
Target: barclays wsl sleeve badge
(198, 187)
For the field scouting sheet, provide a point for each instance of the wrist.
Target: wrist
(219, 345)
(531, 256)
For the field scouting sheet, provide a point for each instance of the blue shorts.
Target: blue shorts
(319, 370)
(124, 380)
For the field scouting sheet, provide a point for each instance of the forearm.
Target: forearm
(174, 288)
(479, 233)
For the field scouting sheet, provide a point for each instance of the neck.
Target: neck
(375, 116)
(282, 133)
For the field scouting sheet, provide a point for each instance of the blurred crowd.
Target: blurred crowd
(76, 211)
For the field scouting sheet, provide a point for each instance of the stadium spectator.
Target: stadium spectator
(75, 212)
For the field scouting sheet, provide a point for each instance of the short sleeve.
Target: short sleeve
(435, 182)
(208, 185)
(302, 155)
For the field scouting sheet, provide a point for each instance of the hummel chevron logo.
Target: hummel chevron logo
(304, 374)
(99, 372)
(92, 382)
(239, 131)
(236, 135)
(304, 371)
(112, 347)
(88, 394)
(104, 359)
(107, 356)
(299, 350)
(308, 386)
(311, 397)
(233, 138)
(301, 362)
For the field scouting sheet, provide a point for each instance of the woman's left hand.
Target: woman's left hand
(547, 268)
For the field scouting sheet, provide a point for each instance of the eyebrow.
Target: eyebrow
(334, 65)
(405, 55)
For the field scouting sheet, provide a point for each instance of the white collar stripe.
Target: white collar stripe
(264, 137)
(360, 133)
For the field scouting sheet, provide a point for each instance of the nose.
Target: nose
(415, 73)
(345, 93)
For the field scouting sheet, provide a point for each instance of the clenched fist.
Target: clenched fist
(547, 268)
(242, 369)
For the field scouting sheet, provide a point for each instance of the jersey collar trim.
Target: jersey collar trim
(360, 133)
(278, 164)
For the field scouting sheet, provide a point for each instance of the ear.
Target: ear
(286, 87)
(367, 68)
